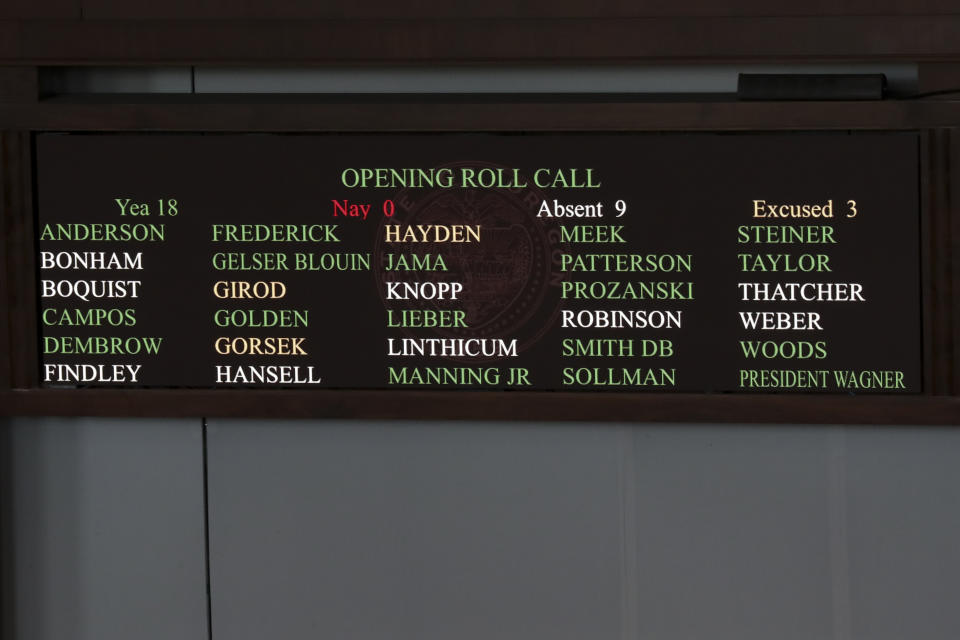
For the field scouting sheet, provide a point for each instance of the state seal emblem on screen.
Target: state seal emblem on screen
(484, 248)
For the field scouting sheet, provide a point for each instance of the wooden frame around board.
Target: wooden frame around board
(564, 32)
(939, 164)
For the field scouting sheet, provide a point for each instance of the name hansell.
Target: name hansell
(266, 374)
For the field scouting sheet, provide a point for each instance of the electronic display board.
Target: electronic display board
(737, 262)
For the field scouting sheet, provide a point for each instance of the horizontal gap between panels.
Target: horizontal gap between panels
(642, 80)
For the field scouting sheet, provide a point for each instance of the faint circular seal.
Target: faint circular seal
(511, 278)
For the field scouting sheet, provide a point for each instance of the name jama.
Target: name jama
(413, 262)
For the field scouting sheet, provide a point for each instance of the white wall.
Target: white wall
(479, 530)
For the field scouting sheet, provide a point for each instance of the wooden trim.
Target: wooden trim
(477, 114)
(504, 113)
(7, 266)
(759, 39)
(930, 164)
(540, 9)
(40, 9)
(951, 259)
(437, 405)
(16, 158)
(938, 77)
(935, 224)
(19, 85)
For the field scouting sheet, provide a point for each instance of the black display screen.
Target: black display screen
(740, 262)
